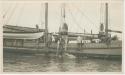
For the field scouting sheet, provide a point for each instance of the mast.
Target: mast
(62, 14)
(63, 11)
(106, 19)
(63, 29)
(46, 24)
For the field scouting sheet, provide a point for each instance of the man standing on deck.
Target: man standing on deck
(79, 42)
(49, 40)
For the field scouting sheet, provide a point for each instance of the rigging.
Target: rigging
(20, 14)
(87, 18)
(11, 14)
(74, 20)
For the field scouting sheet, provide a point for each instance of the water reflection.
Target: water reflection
(61, 66)
(51, 63)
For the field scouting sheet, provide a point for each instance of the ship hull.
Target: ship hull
(101, 52)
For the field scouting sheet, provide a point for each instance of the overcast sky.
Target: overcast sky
(79, 15)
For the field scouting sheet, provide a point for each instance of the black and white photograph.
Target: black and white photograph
(62, 36)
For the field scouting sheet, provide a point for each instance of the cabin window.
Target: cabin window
(8, 42)
(12, 42)
(30, 40)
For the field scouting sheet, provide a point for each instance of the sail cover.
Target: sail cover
(23, 35)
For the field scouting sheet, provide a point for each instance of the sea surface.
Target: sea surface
(20, 62)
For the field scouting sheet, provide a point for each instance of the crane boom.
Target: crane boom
(116, 31)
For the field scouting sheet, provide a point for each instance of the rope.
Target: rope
(20, 14)
(4, 14)
(75, 20)
(85, 16)
(78, 24)
(101, 16)
(11, 14)
(40, 18)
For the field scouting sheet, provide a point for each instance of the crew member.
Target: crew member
(79, 42)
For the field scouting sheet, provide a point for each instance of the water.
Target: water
(18, 62)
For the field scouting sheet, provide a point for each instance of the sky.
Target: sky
(79, 15)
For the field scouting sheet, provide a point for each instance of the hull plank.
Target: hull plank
(117, 51)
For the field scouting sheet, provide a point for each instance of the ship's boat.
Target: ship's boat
(23, 35)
